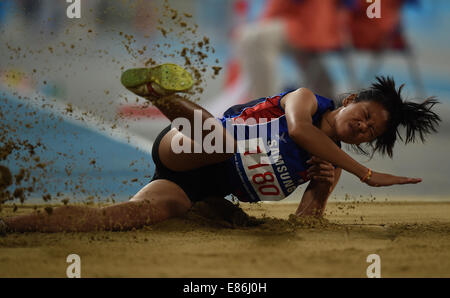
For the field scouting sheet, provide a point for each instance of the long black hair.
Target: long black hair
(417, 118)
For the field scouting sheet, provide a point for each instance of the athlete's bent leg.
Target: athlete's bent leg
(158, 85)
(186, 161)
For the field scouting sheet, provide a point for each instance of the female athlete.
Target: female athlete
(298, 140)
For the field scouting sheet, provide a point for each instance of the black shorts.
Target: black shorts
(199, 183)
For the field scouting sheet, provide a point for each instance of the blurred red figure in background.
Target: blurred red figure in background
(379, 35)
(305, 28)
(310, 25)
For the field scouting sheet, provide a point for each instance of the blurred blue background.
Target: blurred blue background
(59, 86)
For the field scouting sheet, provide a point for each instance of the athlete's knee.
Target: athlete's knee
(177, 206)
(164, 197)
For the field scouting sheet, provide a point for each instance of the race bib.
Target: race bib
(259, 171)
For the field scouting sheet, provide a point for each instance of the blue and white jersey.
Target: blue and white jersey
(269, 165)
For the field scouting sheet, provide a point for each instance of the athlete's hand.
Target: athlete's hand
(381, 179)
(320, 170)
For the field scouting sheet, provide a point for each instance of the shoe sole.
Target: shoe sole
(170, 77)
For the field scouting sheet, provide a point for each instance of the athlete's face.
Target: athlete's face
(360, 122)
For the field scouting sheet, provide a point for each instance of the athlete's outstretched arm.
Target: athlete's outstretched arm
(299, 107)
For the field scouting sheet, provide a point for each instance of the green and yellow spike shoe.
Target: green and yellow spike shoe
(158, 81)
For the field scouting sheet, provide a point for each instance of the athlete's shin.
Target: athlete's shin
(62, 219)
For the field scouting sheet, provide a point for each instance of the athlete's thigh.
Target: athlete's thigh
(185, 161)
(165, 196)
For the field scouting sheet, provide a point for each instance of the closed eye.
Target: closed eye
(372, 130)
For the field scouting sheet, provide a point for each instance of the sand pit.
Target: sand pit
(412, 240)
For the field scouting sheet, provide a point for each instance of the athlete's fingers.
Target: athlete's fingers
(380, 179)
(320, 173)
(328, 167)
(322, 163)
(323, 179)
(312, 160)
(325, 174)
(312, 168)
(407, 180)
(320, 167)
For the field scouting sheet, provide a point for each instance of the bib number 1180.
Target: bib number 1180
(264, 181)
